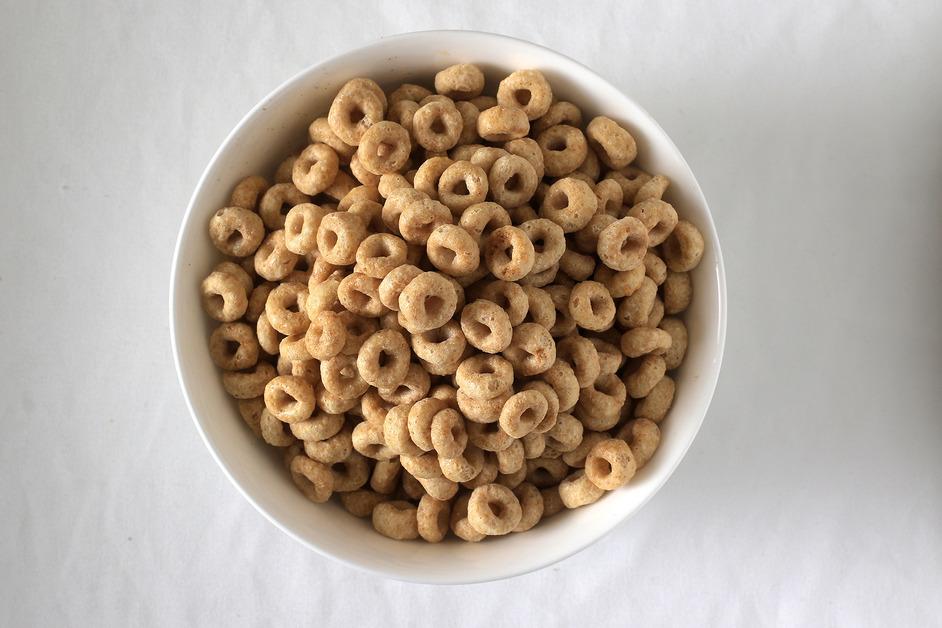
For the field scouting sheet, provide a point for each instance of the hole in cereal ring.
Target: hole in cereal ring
(437, 126)
(293, 307)
(330, 238)
(216, 301)
(455, 432)
(601, 467)
(434, 305)
(557, 144)
(235, 238)
(487, 368)
(631, 176)
(446, 254)
(356, 114)
(558, 200)
(461, 188)
(232, 347)
(629, 245)
(523, 96)
(597, 303)
(497, 508)
(384, 359)
(541, 475)
(384, 149)
(480, 330)
(513, 183)
(538, 245)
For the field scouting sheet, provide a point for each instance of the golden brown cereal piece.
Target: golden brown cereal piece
(531, 506)
(312, 478)
(326, 335)
(419, 219)
(340, 376)
(494, 510)
(331, 450)
(652, 189)
(459, 521)
(564, 322)
(464, 152)
(562, 379)
(289, 398)
(578, 490)
(224, 297)
(534, 444)
(485, 156)
(301, 225)
(502, 123)
(644, 340)
(481, 219)
(276, 203)
(358, 329)
(511, 460)
(523, 412)
(461, 185)
(411, 488)
(339, 236)
(576, 266)
(315, 169)
(464, 467)
(268, 337)
(462, 81)
(655, 268)
(512, 480)
(359, 294)
(683, 249)
(233, 346)
(600, 404)
(385, 476)
(634, 310)
(610, 196)
(439, 488)
(678, 333)
(609, 355)
(453, 251)
(483, 102)
(413, 387)
(643, 437)
(610, 464)
(623, 244)
(658, 217)
(440, 345)
(484, 376)
(512, 180)
(334, 404)
(389, 183)
(273, 261)
(236, 231)
(449, 437)
(509, 254)
(292, 348)
(383, 360)
(408, 91)
(564, 149)
(481, 410)
(528, 149)
(591, 306)
(403, 114)
(531, 349)
(396, 434)
(248, 384)
(545, 472)
(587, 238)
(489, 471)
(581, 354)
(486, 326)
(569, 203)
(437, 125)
(549, 242)
(612, 143)
(320, 131)
(285, 308)
(384, 148)
(361, 503)
(363, 175)
(427, 302)
(397, 520)
(658, 401)
(469, 127)
(351, 473)
(248, 192)
(509, 296)
(432, 517)
(321, 426)
(358, 105)
(357, 194)
(575, 458)
(427, 177)
(678, 292)
(560, 112)
(379, 254)
(528, 90)
(540, 308)
(273, 431)
(342, 186)
(565, 435)
(423, 466)
(640, 381)
(394, 283)
(630, 179)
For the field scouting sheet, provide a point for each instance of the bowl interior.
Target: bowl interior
(277, 127)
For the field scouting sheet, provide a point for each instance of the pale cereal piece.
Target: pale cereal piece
(643, 437)
(485, 156)
(549, 242)
(591, 306)
(641, 380)
(453, 251)
(384, 148)
(502, 123)
(356, 194)
(512, 181)
(273, 261)
(494, 510)
(527, 148)
(511, 460)
(368, 440)
(361, 174)
(546, 472)
(578, 490)
(534, 444)
(486, 326)
(552, 502)
(414, 387)
(403, 114)
(644, 340)
(481, 410)
(613, 144)
(652, 189)
(678, 333)
(432, 518)
(658, 217)
(396, 433)
(657, 313)
(359, 294)
(343, 184)
(609, 355)
(586, 239)
(464, 467)
(224, 296)
(361, 503)
(570, 203)
(284, 170)
(379, 254)
(388, 183)
(408, 91)
(315, 169)
(575, 458)
(427, 176)
(292, 348)
(490, 437)
(395, 282)
(484, 376)
(248, 384)
(273, 431)
(464, 152)
(427, 302)
(610, 464)
(582, 356)
(285, 308)
(560, 112)
(385, 476)
(422, 466)
(528, 90)
(600, 405)
(531, 349)
(320, 426)
(267, 336)
(634, 310)
(248, 192)
(331, 450)
(631, 179)
(565, 435)
(276, 203)
(334, 404)
(441, 345)
(339, 236)
(410, 488)
(509, 254)
(683, 249)
(313, 479)
(289, 398)
(437, 125)
(439, 488)
(459, 520)
(383, 360)
(462, 81)
(509, 296)
(351, 473)
(419, 219)
(449, 436)
(469, 129)
(320, 131)
(678, 292)
(236, 231)
(397, 520)
(623, 244)
(522, 412)
(370, 212)
(233, 346)
(610, 196)
(325, 336)
(481, 219)
(540, 308)
(564, 149)
(658, 401)
(340, 376)
(483, 102)
(461, 185)
(358, 105)
(654, 267)
(564, 322)
(301, 225)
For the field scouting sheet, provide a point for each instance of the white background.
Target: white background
(813, 494)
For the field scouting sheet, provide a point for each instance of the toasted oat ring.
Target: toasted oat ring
(464, 467)
(512, 181)
(361, 174)
(236, 231)
(379, 254)
(489, 437)
(655, 268)
(576, 266)
(429, 173)
(320, 131)
(658, 401)
(326, 336)
(351, 473)
(248, 192)
(531, 349)
(658, 217)
(652, 189)
(408, 91)
(358, 105)
(428, 301)
(612, 143)
(437, 125)
(453, 251)
(610, 464)
(528, 149)
(494, 510)
(540, 308)
(509, 296)
(623, 244)
(396, 433)
(340, 376)
(501, 124)
(683, 249)
(620, 283)
(321, 426)
(315, 169)
(248, 384)
(549, 242)
(422, 466)
(642, 380)
(395, 282)
(397, 520)
(634, 310)
(339, 236)
(591, 306)
(224, 297)
(459, 521)
(481, 219)
(560, 112)
(461, 185)
(359, 294)
(441, 345)
(509, 254)
(575, 458)
(432, 518)
(289, 398)
(268, 337)
(439, 488)
(564, 149)
(570, 203)
(643, 437)
(512, 459)
(564, 322)
(561, 378)
(385, 476)
(449, 437)
(384, 148)
(273, 261)
(644, 340)
(312, 478)
(486, 326)
(582, 355)
(678, 333)
(484, 376)
(334, 404)
(420, 218)
(566, 434)
(523, 412)
(273, 431)
(285, 308)
(413, 387)
(600, 405)
(383, 360)
(481, 410)
(301, 225)
(528, 90)
(331, 450)
(362, 502)
(545, 472)
(233, 346)
(462, 81)
(552, 405)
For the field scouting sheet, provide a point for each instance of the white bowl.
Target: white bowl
(277, 126)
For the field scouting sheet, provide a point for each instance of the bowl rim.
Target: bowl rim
(511, 571)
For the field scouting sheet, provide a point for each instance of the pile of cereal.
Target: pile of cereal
(455, 311)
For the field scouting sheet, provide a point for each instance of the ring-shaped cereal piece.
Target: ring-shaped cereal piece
(462, 81)
(410, 487)
(654, 188)
(678, 333)
(512, 181)
(428, 301)
(610, 464)
(321, 426)
(359, 294)
(600, 405)
(449, 437)
(339, 236)
(461, 185)
(509, 254)
(439, 488)
(528, 90)
(582, 355)
(511, 460)
(546, 472)
(683, 249)
(560, 112)
(469, 124)
(587, 238)
(552, 405)
(384, 148)
(412, 388)
(658, 401)
(248, 384)
(489, 437)
(481, 219)
(394, 283)
(523, 412)
(566, 434)
(379, 254)
(248, 192)
(397, 520)
(233, 346)
(351, 473)
(575, 458)
(358, 105)
(423, 466)
(427, 176)
(494, 510)
(531, 349)
(528, 149)
(320, 131)
(313, 479)
(578, 490)
(620, 283)
(395, 428)
(531, 506)
(273, 431)
(331, 403)
(534, 444)
(540, 308)
(502, 124)
(383, 360)
(301, 225)
(441, 345)
(389, 183)
(224, 297)
(564, 322)
(289, 398)
(361, 174)
(268, 337)
(656, 314)
(561, 378)
(642, 379)
(623, 244)
(485, 157)
(385, 476)
(610, 196)
(549, 242)
(486, 326)
(484, 376)
(678, 292)
(570, 203)
(634, 310)
(408, 91)
(459, 521)
(576, 266)
(331, 450)
(433, 516)
(236, 231)
(509, 296)
(273, 261)
(340, 376)
(612, 143)
(362, 502)
(326, 336)
(464, 467)
(453, 251)
(293, 349)
(437, 125)
(658, 217)
(564, 149)
(481, 410)
(285, 308)
(643, 437)
(420, 218)
(315, 169)
(591, 306)
(655, 268)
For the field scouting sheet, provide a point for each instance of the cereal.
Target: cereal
(413, 387)
(427, 302)
(289, 398)
(569, 203)
(486, 326)
(643, 437)
(658, 401)
(248, 384)
(314, 479)
(658, 217)
(683, 249)
(578, 490)
(494, 510)
(501, 123)
(321, 426)
(462, 81)
(358, 105)
(449, 437)
(610, 464)
(564, 149)
(528, 90)
(420, 219)
(599, 406)
(678, 333)
(634, 310)
(484, 376)
(284, 308)
(359, 294)
(273, 261)
(361, 503)
(453, 251)
(512, 181)
(459, 521)
(509, 254)
(549, 242)
(540, 308)
(432, 518)
(236, 231)
(531, 349)
(224, 297)
(523, 412)
(437, 125)
(591, 306)
(644, 378)
(614, 145)
(233, 346)
(385, 476)
(396, 519)
(644, 340)
(654, 188)
(566, 434)
(383, 360)
(509, 296)
(582, 356)
(384, 148)
(481, 219)
(464, 467)
(623, 244)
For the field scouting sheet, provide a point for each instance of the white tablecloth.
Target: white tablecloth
(813, 495)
